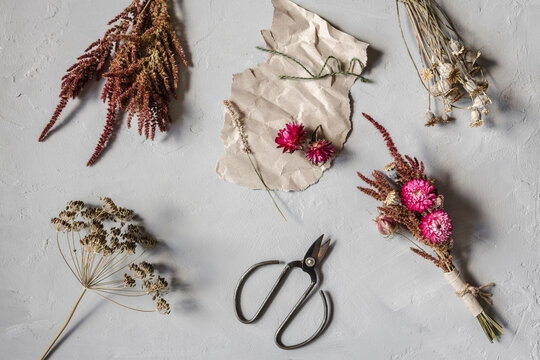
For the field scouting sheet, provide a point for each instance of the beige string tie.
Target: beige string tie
(477, 291)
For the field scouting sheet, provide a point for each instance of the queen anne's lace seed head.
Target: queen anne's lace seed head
(102, 243)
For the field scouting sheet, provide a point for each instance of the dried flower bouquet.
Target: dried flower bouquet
(100, 246)
(411, 201)
(448, 70)
(138, 58)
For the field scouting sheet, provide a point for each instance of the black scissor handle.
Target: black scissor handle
(269, 297)
(275, 288)
(292, 314)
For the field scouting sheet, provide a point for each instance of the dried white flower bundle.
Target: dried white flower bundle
(449, 71)
(98, 244)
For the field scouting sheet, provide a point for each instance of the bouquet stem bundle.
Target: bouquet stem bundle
(410, 201)
(447, 69)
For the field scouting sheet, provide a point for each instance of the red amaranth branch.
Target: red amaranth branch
(138, 57)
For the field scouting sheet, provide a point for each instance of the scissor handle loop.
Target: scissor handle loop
(270, 296)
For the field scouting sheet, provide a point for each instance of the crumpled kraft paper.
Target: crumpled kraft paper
(266, 103)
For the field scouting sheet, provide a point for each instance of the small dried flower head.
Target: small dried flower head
(392, 199)
(291, 137)
(162, 306)
(426, 75)
(439, 202)
(109, 206)
(480, 101)
(436, 227)
(442, 87)
(471, 86)
(476, 118)
(472, 56)
(75, 205)
(418, 195)
(445, 69)
(318, 152)
(430, 119)
(137, 272)
(129, 282)
(454, 75)
(386, 225)
(456, 47)
(390, 167)
(60, 225)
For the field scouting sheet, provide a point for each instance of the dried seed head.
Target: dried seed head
(106, 246)
(430, 119)
(426, 75)
(476, 119)
(456, 47)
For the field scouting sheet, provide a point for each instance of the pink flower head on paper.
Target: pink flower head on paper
(291, 137)
(418, 195)
(319, 151)
(436, 227)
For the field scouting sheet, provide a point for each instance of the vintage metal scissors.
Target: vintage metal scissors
(309, 264)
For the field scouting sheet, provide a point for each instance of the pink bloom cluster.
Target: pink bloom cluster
(292, 138)
(436, 226)
(418, 195)
(319, 151)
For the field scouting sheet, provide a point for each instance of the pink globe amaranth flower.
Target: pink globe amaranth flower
(436, 227)
(418, 195)
(319, 151)
(291, 137)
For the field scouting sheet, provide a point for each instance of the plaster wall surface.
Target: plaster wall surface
(388, 303)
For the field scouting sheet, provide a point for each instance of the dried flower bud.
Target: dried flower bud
(457, 47)
(386, 225)
(439, 202)
(392, 199)
(390, 167)
(476, 119)
(445, 70)
(430, 118)
(443, 86)
(472, 56)
(480, 101)
(470, 86)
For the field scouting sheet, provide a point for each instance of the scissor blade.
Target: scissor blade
(313, 251)
(322, 251)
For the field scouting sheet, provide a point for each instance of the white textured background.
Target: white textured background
(388, 303)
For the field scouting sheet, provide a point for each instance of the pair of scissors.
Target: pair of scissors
(309, 265)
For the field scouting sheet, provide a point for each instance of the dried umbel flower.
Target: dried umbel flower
(98, 244)
(447, 69)
(138, 57)
(421, 213)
